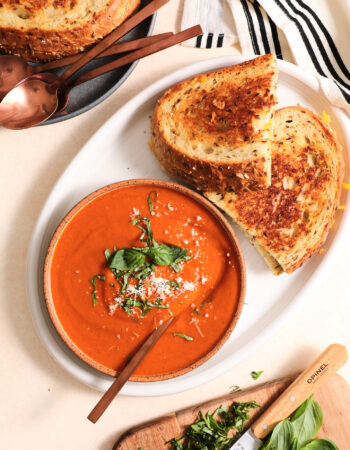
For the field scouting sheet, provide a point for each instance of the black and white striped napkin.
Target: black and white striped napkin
(216, 20)
(314, 34)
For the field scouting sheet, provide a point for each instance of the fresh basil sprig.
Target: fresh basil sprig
(140, 262)
(297, 432)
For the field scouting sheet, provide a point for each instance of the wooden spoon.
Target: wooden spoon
(128, 370)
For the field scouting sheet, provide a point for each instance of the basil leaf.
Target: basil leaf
(306, 421)
(167, 255)
(117, 261)
(282, 437)
(107, 254)
(160, 255)
(320, 444)
(177, 252)
(134, 258)
(126, 259)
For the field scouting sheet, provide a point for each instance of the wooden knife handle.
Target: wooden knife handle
(306, 384)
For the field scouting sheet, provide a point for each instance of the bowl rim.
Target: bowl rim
(197, 197)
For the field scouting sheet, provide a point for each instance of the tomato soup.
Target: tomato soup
(135, 256)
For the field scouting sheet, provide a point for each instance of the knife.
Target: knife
(326, 365)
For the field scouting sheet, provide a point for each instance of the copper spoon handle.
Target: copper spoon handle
(128, 370)
(114, 50)
(113, 37)
(141, 53)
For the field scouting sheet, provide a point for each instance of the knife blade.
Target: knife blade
(326, 365)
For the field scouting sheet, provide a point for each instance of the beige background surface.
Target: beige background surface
(43, 407)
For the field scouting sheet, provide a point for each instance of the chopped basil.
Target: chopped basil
(256, 375)
(173, 284)
(212, 431)
(93, 281)
(184, 336)
(205, 303)
(149, 200)
(234, 389)
(144, 305)
(140, 262)
(196, 311)
(107, 254)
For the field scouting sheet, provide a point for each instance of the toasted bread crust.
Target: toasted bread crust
(197, 114)
(289, 221)
(202, 174)
(34, 37)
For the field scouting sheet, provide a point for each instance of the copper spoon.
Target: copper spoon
(35, 100)
(133, 56)
(14, 69)
(126, 373)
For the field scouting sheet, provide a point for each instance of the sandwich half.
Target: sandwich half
(214, 130)
(289, 221)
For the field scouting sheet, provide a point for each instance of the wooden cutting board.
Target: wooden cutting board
(333, 397)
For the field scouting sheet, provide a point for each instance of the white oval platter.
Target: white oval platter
(119, 151)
